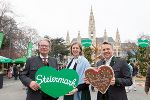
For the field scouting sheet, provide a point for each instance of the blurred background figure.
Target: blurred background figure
(147, 82)
(15, 72)
(10, 72)
(134, 74)
(128, 88)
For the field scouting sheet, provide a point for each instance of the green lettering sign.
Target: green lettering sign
(56, 83)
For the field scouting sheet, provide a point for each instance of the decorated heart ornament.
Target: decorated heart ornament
(100, 77)
(56, 83)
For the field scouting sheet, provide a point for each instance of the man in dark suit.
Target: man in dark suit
(122, 75)
(27, 76)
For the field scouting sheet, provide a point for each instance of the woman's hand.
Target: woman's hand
(72, 92)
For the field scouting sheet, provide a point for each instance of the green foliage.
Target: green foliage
(87, 54)
(143, 68)
(59, 49)
(142, 58)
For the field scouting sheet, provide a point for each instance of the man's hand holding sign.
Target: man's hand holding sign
(34, 86)
(101, 78)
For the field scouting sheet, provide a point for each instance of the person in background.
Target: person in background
(130, 66)
(23, 67)
(15, 72)
(147, 81)
(27, 76)
(10, 72)
(122, 75)
(79, 63)
(134, 74)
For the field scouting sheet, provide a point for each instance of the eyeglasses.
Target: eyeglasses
(42, 46)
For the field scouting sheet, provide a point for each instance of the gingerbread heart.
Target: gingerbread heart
(100, 77)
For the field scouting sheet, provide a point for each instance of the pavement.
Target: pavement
(13, 90)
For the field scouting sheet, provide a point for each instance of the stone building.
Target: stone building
(97, 41)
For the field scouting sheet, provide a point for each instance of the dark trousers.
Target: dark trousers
(47, 97)
(38, 95)
(102, 96)
(1, 81)
(15, 76)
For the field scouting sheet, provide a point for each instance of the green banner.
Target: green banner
(1, 38)
(5, 60)
(143, 43)
(29, 52)
(86, 42)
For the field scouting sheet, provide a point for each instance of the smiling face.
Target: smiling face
(76, 50)
(107, 51)
(44, 47)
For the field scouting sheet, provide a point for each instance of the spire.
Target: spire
(91, 28)
(117, 40)
(67, 38)
(117, 43)
(105, 36)
(79, 37)
(91, 11)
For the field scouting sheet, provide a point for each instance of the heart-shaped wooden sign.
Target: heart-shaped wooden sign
(56, 83)
(100, 77)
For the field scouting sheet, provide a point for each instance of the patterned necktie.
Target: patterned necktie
(45, 61)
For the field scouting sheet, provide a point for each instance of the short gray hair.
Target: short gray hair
(45, 39)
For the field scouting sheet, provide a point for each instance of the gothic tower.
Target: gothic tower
(105, 36)
(117, 44)
(79, 37)
(91, 28)
(67, 39)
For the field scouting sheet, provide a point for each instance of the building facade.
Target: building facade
(97, 41)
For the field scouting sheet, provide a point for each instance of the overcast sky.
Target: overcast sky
(56, 17)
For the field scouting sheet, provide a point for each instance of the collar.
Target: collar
(75, 57)
(43, 57)
(107, 60)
